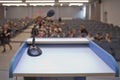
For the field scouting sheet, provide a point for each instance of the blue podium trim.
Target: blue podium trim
(105, 56)
(79, 78)
(16, 59)
(33, 78)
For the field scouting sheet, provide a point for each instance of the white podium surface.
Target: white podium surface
(62, 61)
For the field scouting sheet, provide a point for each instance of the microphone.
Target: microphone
(33, 49)
(50, 13)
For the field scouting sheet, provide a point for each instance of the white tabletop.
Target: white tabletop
(63, 61)
(57, 40)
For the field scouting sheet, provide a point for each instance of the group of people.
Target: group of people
(45, 28)
(48, 28)
(9, 29)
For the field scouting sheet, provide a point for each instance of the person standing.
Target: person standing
(107, 37)
(5, 37)
(83, 31)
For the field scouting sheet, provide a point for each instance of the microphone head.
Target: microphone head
(50, 13)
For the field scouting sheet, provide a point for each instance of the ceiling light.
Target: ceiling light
(42, 4)
(22, 4)
(61, 4)
(73, 0)
(31, 1)
(75, 4)
(8, 1)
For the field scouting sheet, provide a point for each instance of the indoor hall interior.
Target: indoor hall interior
(5, 59)
(98, 16)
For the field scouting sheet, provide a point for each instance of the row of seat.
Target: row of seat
(94, 27)
(16, 25)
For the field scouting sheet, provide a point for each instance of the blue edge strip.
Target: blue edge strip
(105, 56)
(16, 59)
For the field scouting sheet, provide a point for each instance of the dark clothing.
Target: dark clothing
(34, 32)
(59, 19)
(84, 31)
(5, 36)
(98, 39)
(0, 38)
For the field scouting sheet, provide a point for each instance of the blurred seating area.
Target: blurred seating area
(70, 28)
(94, 27)
(108, 33)
(16, 25)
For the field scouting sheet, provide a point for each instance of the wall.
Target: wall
(21, 12)
(95, 10)
(1, 12)
(110, 11)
